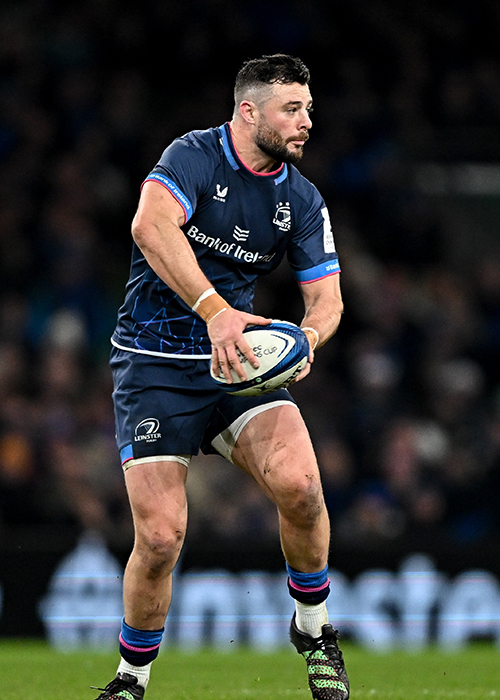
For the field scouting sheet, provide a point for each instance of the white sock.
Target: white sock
(140, 672)
(310, 618)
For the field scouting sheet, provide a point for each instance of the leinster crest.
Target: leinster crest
(283, 217)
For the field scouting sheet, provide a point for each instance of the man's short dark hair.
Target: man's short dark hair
(268, 70)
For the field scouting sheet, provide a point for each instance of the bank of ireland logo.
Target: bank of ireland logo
(240, 234)
(148, 430)
(283, 216)
(220, 193)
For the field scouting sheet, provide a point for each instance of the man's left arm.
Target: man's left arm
(323, 310)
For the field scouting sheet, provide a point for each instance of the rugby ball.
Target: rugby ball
(282, 349)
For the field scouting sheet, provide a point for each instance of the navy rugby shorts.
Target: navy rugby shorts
(167, 406)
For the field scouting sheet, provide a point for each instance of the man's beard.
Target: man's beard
(275, 146)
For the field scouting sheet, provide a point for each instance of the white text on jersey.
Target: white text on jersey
(228, 248)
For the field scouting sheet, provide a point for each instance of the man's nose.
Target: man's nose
(306, 122)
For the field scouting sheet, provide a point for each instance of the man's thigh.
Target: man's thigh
(157, 496)
(276, 449)
(233, 413)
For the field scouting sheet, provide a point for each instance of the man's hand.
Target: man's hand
(228, 342)
(313, 339)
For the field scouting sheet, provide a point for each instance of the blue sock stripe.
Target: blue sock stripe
(141, 638)
(313, 580)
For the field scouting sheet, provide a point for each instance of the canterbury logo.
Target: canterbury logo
(240, 234)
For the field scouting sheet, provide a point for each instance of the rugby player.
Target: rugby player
(222, 207)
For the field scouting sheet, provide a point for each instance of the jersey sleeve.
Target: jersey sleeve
(311, 252)
(184, 169)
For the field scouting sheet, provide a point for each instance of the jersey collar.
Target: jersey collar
(236, 163)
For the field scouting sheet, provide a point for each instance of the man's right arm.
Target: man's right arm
(156, 230)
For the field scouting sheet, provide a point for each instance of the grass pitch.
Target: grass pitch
(32, 670)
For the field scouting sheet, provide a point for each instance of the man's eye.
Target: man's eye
(310, 110)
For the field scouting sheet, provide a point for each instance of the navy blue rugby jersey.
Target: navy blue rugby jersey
(240, 224)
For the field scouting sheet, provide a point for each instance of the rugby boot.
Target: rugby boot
(325, 666)
(123, 687)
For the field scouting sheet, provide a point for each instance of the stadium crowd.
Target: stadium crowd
(404, 403)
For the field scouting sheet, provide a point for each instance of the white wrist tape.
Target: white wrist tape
(218, 313)
(309, 328)
(203, 295)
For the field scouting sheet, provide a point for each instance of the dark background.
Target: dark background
(403, 404)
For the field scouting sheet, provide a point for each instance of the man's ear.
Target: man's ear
(248, 111)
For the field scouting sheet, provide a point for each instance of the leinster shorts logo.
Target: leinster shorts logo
(148, 430)
(283, 217)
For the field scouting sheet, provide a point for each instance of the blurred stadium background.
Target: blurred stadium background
(403, 404)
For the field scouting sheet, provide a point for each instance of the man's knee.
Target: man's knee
(159, 550)
(301, 499)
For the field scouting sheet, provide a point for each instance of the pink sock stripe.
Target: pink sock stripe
(308, 589)
(131, 648)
